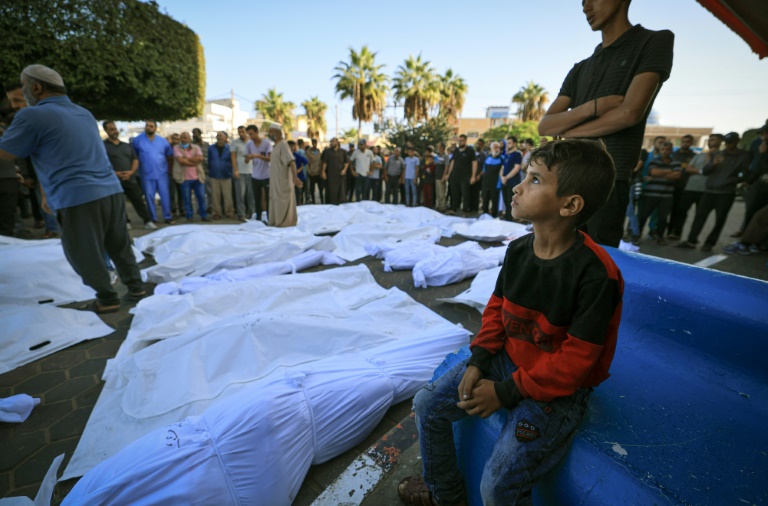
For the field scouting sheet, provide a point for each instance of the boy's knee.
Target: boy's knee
(421, 402)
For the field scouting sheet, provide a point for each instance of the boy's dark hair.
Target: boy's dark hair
(583, 167)
(252, 128)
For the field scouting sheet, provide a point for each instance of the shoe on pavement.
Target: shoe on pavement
(706, 247)
(686, 244)
(150, 226)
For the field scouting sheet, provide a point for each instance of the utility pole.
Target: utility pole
(232, 103)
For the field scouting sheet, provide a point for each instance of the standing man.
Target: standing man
(197, 138)
(220, 174)
(510, 176)
(441, 187)
(333, 170)
(259, 150)
(683, 155)
(155, 156)
(283, 180)
(313, 172)
(476, 187)
(174, 188)
(374, 179)
(351, 175)
(242, 186)
(125, 163)
(462, 171)
(392, 175)
(190, 158)
(725, 171)
(663, 174)
(608, 96)
(78, 180)
(361, 161)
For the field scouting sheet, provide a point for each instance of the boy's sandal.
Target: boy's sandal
(413, 491)
(97, 308)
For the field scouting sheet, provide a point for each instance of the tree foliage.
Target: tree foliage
(422, 134)
(121, 59)
(314, 111)
(363, 81)
(350, 134)
(275, 108)
(521, 130)
(417, 84)
(531, 100)
(453, 91)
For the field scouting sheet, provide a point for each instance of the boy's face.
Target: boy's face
(535, 198)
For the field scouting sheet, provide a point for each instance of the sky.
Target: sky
(497, 47)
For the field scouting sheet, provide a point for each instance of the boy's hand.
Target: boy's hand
(468, 382)
(483, 401)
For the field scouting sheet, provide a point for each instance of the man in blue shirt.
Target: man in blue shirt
(155, 156)
(72, 165)
(220, 172)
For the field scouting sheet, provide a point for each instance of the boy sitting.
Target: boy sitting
(548, 336)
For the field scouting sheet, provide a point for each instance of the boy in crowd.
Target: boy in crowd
(492, 180)
(428, 178)
(548, 337)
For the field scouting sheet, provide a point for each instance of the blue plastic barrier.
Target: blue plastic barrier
(684, 416)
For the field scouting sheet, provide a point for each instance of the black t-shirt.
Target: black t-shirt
(120, 156)
(462, 163)
(609, 71)
(335, 159)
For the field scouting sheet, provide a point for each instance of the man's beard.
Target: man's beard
(28, 96)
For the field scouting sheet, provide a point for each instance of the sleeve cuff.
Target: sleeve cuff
(508, 393)
(481, 358)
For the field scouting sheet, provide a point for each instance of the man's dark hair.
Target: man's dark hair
(512, 138)
(241, 126)
(225, 134)
(252, 128)
(463, 135)
(300, 142)
(719, 136)
(150, 121)
(583, 167)
(481, 140)
(291, 143)
(659, 137)
(12, 86)
(530, 141)
(108, 122)
(687, 136)
(194, 130)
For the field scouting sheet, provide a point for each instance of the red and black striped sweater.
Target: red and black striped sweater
(556, 319)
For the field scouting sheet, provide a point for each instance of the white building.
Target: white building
(218, 115)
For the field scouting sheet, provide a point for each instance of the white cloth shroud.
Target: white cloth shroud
(300, 262)
(204, 249)
(456, 263)
(37, 272)
(277, 362)
(28, 333)
(17, 408)
(479, 292)
(490, 229)
(351, 242)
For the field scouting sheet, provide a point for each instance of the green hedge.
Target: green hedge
(121, 59)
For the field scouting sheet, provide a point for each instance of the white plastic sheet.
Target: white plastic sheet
(186, 353)
(479, 292)
(17, 408)
(491, 230)
(300, 262)
(29, 333)
(455, 264)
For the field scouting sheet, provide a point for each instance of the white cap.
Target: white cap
(43, 74)
(272, 126)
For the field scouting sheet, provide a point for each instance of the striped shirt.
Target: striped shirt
(661, 186)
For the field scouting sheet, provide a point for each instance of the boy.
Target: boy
(548, 336)
(428, 178)
(301, 162)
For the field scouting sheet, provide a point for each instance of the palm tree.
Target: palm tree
(274, 108)
(453, 91)
(531, 100)
(349, 134)
(314, 110)
(361, 80)
(418, 85)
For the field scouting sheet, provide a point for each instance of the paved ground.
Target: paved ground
(69, 382)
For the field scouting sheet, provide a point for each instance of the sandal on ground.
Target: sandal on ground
(413, 491)
(97, 308)
(136, 296)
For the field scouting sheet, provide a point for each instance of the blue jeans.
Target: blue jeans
(152, 186)
(361, 187)
(411, 193)
(634, 224)
(516, 464)
(187, 187)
